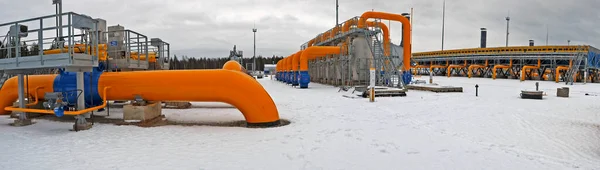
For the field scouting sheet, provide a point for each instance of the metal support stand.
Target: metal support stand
(23, 120)
(81, 123)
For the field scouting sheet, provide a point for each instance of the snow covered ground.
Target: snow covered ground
(424, 130)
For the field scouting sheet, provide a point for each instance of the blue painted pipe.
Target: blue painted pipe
(304, 79)
(295, 76)
(66, 83)
(406, 77)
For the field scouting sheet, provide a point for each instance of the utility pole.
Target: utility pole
(254, 56)
(507, 26)
(443, 22)
(337, 6)
(547, 35)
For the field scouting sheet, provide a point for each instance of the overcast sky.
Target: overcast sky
(210, 28)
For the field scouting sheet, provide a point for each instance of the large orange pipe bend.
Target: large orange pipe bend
(525, 68)
(561, 68)
(496, 67)
(405, 33)
(313, 52)
(232, 87)
(473, 66)
(449, 69)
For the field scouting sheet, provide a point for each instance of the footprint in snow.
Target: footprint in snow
(443, 150)
(412, 153)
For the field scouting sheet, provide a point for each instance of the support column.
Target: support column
(81, 123)
(80, 86)
(23, 120)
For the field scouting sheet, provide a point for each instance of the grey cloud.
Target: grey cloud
(207, 28)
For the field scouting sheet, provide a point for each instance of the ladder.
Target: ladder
(391, 74)
(572, 72)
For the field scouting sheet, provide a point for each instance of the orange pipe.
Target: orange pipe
(311, 42)
(472, 66)
(525, 68)
(347, 25)
(233, 65)
(406, 34)
(560, 68)
(334, 32)
(289, 63)
(313, 52)
(296, 60)
(71, 113)
(41, 84)
(386, 35)
(36, 97)
(496, 67)
(449, 69)
(325, 36)
(232, 87)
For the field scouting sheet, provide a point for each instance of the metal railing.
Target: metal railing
(48, 34)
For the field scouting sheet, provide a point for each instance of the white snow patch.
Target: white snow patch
(424, 130)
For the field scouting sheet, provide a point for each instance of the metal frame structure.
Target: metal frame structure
(579, 61)
(21, 54)
(163, 54)
(351, 68)
(123, 44)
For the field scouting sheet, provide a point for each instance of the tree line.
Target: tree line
(185, 62)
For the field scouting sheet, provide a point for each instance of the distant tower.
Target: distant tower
(483, 38)
(531, 43)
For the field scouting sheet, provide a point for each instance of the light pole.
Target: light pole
(443, 22)
(507, 25)
(254, 56)
(568, 42)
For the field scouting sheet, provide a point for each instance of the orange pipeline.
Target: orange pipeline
(334, 32)
(449, 69)
(560, 68)
(41, 84)
(472, 66)
(406, 33)
(347, 25)
(233, 65)
(232, 87)
(311, 42)
(526, 68)
(496, 67)
(313, 52)
(296, 60)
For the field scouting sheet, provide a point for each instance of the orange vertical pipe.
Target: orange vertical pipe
(406, 34)
(386, 35)
(496, 67)
(472, 66)
(560, 68)
(525, 68)
(449, 69)
(347, 25)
